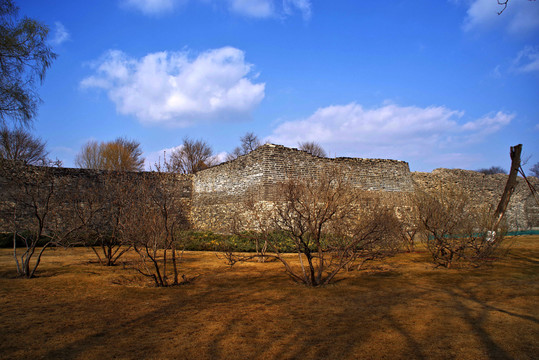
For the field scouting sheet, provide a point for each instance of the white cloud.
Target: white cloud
(270, 8)
(488, 124)
(520, 16)
(152, 7)
(221, 157)
(252, 8)
(157, 158)
(248, 8)
(173, 88)
(496, 72)
(527, 60)
(304, 6)
(387, 131)
(60, 34)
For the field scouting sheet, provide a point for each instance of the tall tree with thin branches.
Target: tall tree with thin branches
(24, 58)
(20, 145)
(119, 155)
(248, 143)
(191, 157)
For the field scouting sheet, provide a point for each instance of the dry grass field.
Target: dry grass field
(399, 309)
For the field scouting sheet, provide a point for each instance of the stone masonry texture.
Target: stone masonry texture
(213, 196)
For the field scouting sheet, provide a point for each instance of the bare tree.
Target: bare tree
(24, 56)
(455, 229)
(123, 155)
(408, 228)
(248, 143)
(504, 4)
(152, 223)
(119, 155)
(105, 203)
(90, 156)
(331, 227)
(535, 170)
(313, 148)
(492, 170)
(19, 145)
(191, 157)
(44, 214)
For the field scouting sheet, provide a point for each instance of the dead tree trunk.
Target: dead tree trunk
(509, 186)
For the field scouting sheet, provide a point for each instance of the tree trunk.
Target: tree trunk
(509, 186)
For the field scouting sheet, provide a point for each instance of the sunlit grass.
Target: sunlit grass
(401, 308)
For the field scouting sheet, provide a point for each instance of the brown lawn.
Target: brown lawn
(399, 309)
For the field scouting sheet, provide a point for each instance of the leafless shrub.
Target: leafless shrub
(261, 219)
(152, 222)
(329, 227)
(456, 229)
(231, 257)
(105, 204)
(492, 170)
(408, 228)
(43, 214)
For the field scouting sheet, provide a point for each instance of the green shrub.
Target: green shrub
(243, 242)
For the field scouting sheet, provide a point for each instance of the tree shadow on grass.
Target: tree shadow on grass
(477, 319)
(238, 319)
(266, 316)
(334, 332)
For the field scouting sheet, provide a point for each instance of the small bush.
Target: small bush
(242, 242)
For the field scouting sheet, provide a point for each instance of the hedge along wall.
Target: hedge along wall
(522, 212)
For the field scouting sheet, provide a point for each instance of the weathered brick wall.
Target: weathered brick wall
(214, 197)
(219, 193)
(522, 212)
(281, 163)
(71, 185)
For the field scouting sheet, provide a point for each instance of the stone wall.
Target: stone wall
(213, 197)
(522, 212)
(220, 192)
(70, 185)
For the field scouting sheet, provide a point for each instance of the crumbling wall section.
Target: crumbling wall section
(221, 193)
(213, 198)
(522, 212)
(281, 163)
(70, 185)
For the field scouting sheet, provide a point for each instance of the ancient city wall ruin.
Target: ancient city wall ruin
(522, 212)
(213, 196)
(72, 185)
(220, 191)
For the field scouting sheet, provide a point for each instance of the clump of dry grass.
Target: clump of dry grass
(399, 309)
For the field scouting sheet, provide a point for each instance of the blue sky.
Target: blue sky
(434, 83)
